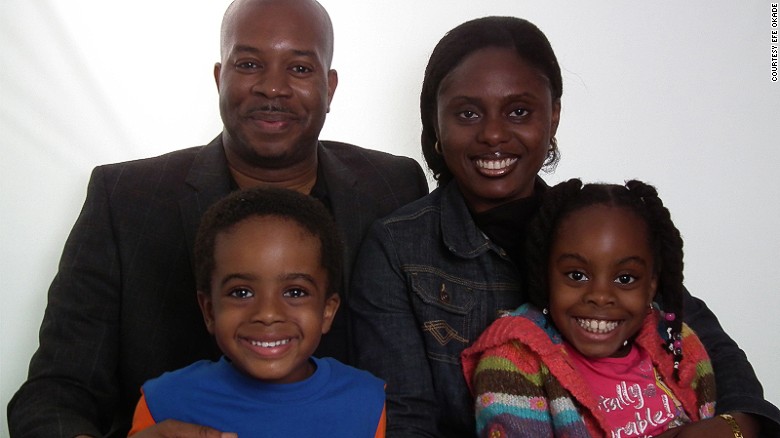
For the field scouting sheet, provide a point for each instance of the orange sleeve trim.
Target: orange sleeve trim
(142, 417)
(382, 426)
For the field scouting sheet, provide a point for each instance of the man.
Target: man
(122, 308)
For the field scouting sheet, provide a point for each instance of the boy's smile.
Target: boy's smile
(267, 306)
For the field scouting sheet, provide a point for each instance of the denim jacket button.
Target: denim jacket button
(444, 296)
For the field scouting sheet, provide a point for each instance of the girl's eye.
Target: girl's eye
(625, 279)
(295, 293)
(577, 276)
(241, 293)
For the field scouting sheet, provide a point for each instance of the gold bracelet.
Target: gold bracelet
(734, 425)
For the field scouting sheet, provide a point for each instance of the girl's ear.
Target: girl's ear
(653, 288)
(207, 309)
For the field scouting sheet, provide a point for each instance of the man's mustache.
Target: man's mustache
(271, 108)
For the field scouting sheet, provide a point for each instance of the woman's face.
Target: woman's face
(495, 120)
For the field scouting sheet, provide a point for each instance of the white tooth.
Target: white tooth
(598, 326)
(270, 344)
(495, 164)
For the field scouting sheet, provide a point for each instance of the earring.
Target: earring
(545, 311)
(437, 147)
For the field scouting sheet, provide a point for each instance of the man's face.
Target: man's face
(274, 83)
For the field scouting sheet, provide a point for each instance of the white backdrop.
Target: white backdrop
(675, 93)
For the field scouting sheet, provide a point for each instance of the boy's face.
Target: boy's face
(267, 307)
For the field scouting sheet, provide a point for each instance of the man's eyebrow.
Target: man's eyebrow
(241, 48)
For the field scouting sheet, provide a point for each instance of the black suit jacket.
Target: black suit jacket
(122, 307)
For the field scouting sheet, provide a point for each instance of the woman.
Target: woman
(433, 275)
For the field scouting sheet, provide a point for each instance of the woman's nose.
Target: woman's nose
(494, 131)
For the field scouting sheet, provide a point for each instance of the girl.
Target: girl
(601, 349)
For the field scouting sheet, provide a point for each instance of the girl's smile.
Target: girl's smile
(602, 279)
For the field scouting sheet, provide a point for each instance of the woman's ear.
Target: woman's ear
(556, 117)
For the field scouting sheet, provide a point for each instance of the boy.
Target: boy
(267, 262)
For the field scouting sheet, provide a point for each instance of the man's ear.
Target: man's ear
(207, 309)
(329, 312)
(217, 70)
(333, 82)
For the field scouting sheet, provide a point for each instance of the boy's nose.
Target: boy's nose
(268, 310)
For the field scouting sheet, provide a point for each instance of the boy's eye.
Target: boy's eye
(625, 279)
(295, 293)
(577, 276)
(241, 293)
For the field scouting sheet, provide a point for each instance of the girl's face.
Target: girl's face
(268, 305)
(601, 279)
(495, 120)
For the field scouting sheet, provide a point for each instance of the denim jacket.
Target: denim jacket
(426, 284)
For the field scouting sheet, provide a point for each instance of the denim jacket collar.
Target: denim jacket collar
(459, 232)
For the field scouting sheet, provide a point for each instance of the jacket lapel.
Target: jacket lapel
(353, 210)
(207, 182)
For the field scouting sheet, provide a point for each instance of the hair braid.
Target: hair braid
(539, 238)
(668, 245)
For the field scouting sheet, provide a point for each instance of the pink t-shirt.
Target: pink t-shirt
(630, 393)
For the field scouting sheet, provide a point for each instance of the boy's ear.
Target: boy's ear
(329, 312)
(207, 308)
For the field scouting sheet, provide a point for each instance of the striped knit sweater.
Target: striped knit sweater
(525, 383)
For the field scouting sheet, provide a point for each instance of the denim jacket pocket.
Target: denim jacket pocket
(444, 306)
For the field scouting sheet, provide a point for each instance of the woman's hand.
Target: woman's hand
(177, 429)
(716, 427)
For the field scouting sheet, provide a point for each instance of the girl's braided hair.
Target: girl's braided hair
(664, 240)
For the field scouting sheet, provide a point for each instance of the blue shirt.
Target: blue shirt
(336, 401)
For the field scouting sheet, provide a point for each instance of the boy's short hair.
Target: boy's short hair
(306, 211)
